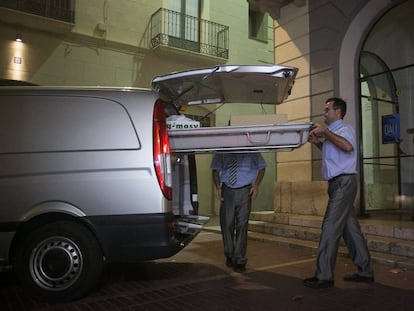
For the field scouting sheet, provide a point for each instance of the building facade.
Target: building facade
(362, 51)
(126, 43)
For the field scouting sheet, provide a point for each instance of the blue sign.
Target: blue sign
(391, 128)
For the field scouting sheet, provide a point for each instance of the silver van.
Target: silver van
(93, 175)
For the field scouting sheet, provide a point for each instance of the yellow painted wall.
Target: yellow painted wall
(292, 46)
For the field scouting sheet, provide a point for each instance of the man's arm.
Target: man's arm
(217, 184)
(337, 140)
(315, 140)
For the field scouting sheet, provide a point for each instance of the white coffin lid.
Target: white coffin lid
(260, 84)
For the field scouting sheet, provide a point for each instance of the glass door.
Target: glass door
(387, 123)
(186, 24)
(380, 136)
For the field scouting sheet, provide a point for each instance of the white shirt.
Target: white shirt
(334, 160)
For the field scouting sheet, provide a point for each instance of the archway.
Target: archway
(380, 139)
(378, 21)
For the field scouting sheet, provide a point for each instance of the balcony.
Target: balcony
(176, 30)
(59, 10)
(47, 15)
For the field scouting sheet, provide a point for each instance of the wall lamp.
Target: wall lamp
(19, 38)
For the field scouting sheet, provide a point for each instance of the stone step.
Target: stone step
(391, 246)
(386, 228)
(390, 242)
(393, 229)
(389, 259)
(300, 235)
(288, 231)
(395, 261)
(288, 219)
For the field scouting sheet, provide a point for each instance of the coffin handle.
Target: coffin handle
(258, 143)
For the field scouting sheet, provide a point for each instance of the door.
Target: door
(380, 135)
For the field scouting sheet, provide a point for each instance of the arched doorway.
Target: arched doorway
(386, 97)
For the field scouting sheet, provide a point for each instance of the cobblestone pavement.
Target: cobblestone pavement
(197, 279)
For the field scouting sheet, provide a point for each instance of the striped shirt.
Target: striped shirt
(248, 164)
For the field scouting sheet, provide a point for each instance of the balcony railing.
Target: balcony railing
(63, 10)
(177, 30)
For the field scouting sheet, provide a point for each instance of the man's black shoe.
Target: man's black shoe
(314, 282)
(358, 278)
(239, 268)
(229, 262)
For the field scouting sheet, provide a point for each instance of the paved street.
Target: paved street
(197, 279)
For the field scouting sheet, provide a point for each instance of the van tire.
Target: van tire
(60, 261)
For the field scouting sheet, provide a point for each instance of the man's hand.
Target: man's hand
(218, 194)
(313, 138)
(254, 191)
(217, 185)
(318, 130)
(314, 135)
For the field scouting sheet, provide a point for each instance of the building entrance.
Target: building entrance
(387, 116)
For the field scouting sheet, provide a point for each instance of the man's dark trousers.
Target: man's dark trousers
(234, 221)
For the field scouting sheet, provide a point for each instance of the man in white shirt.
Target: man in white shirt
(339, 159)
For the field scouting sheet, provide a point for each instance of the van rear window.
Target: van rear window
(62, 123)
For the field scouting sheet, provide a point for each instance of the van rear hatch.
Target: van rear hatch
(227, 84)
(251, 84)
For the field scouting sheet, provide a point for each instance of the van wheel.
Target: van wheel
(61, 261)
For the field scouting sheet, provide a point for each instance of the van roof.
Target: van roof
(71, 88)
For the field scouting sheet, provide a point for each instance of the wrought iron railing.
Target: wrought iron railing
(63, 10)
(174, 29)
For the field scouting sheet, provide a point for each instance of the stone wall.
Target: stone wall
(301, 197)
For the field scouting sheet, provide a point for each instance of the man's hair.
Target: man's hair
(338, 103)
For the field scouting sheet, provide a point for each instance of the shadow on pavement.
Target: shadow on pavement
(198, 286)
(197, 279)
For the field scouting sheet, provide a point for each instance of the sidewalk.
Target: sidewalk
(393, 287)
(380, 245)
(197, 279)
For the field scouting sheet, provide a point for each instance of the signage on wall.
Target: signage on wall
(391, 128)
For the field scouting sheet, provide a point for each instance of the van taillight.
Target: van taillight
(162, 157)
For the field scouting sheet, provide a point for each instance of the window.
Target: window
(257, 24)
(63, 10)
(64, 123)
(187, 26)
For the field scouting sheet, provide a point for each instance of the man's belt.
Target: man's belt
(339, 176)
(248, 185)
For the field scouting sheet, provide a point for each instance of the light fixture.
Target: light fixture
(19, 38)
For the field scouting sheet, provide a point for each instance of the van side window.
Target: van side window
(64, 123)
